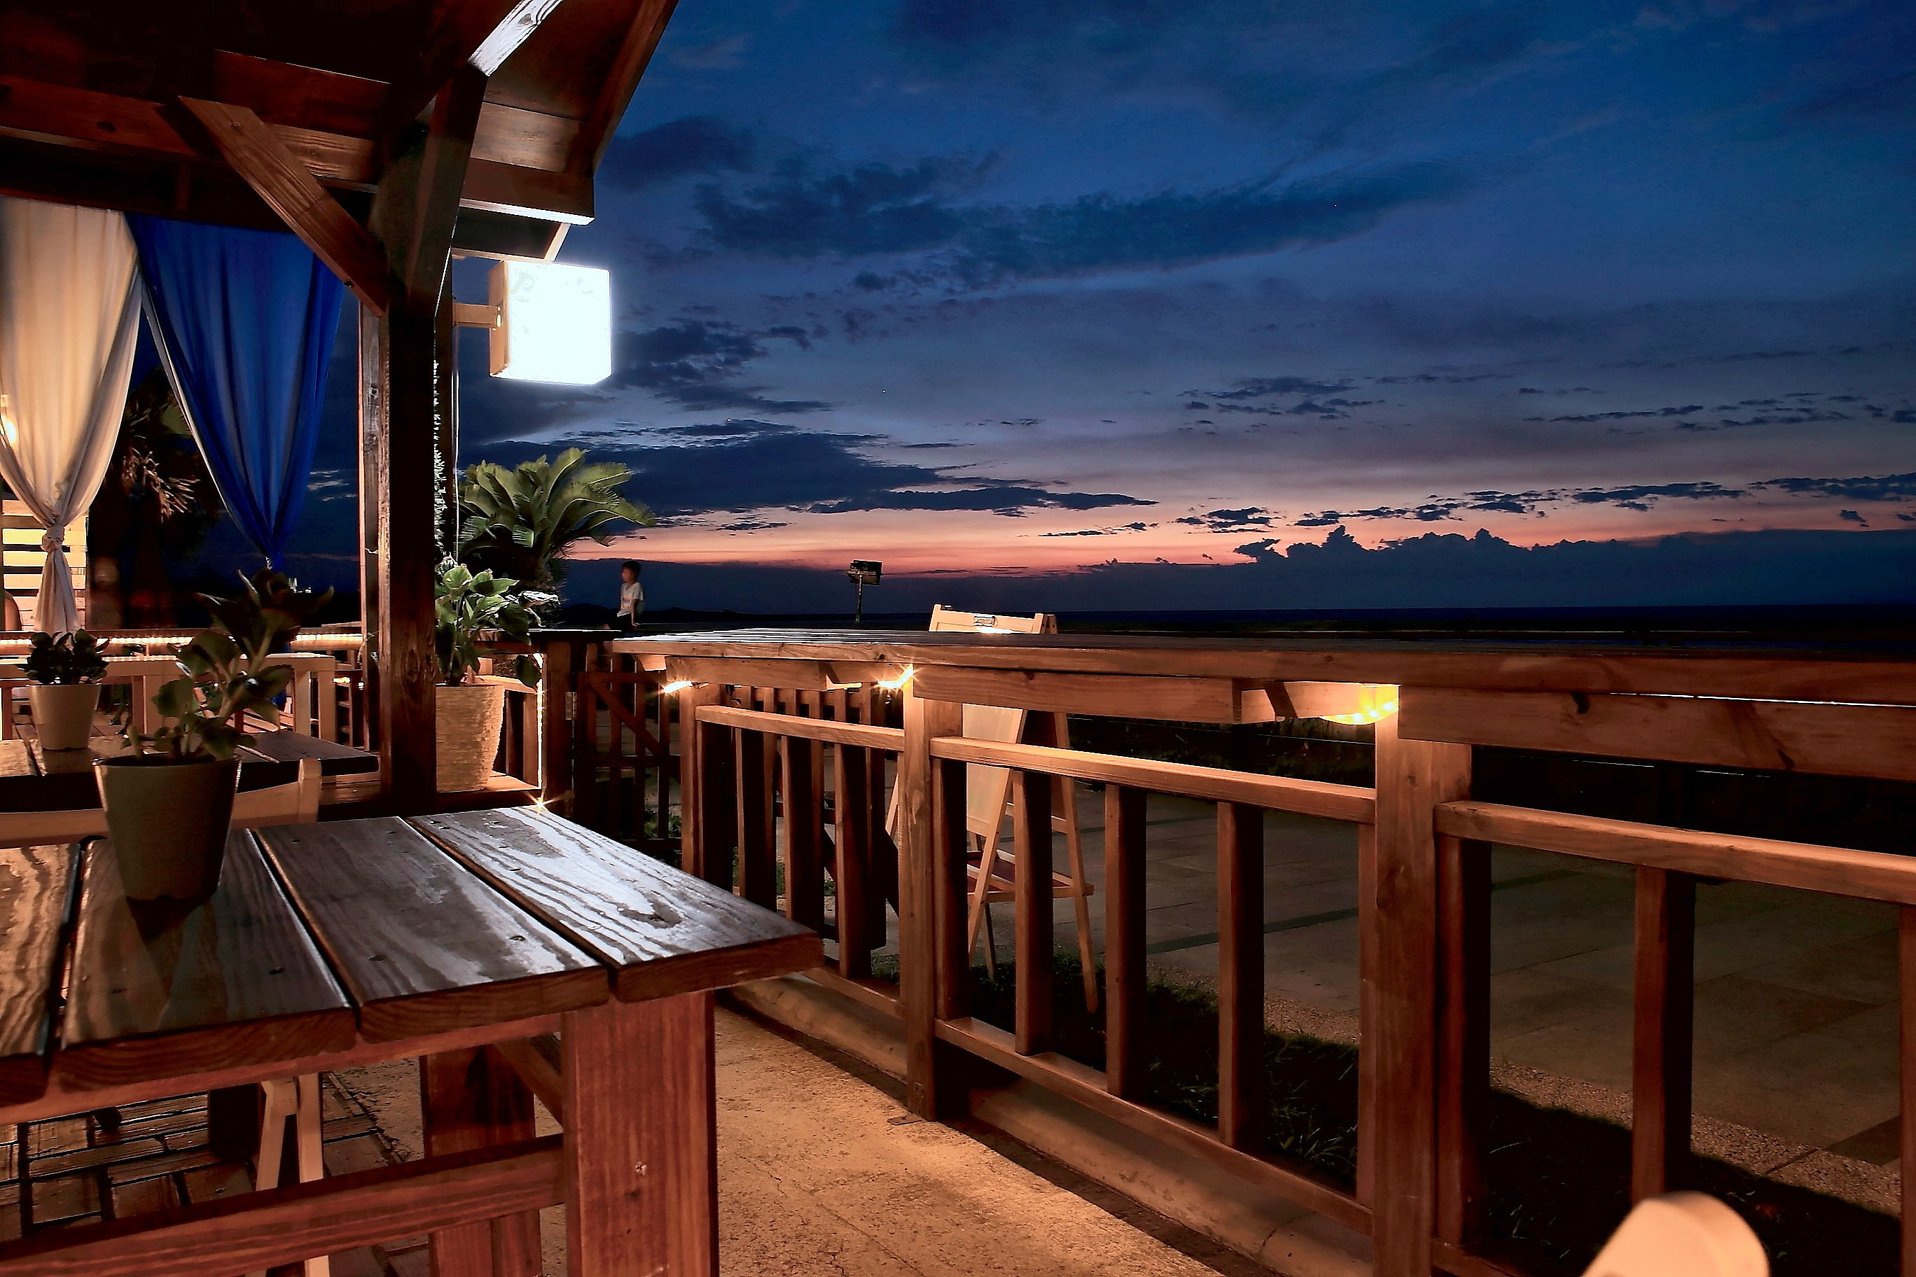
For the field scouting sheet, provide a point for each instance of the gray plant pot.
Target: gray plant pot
(63, 713)
(168, 821)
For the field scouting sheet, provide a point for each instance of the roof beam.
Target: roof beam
(283, 181)
(442, 175)
(480, 34)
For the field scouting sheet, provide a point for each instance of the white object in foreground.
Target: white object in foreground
(1682, 1235)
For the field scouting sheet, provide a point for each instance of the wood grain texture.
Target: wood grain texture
(642, 1172)
(162, 989)
(950, 837)
(472, 1100)
(752, 768)
(831, 732)
(1354, 803)
(1181, 700)
(804, 821)
(1240, 975)
(1783, 673)
(661, 930)
(1031, 835)
(851, 861)
(1838, 871)
(1397, 1011)
(1463, 1043)
(1124, 961)
(540, 1066)
(37, 886)
(257, 1230)
(1906, 1043)
(930, 1082)
(1838, 740)
(1663, 1044)
(420, 942)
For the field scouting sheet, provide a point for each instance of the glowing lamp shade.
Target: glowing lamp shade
(1351, 703)
(555, 323)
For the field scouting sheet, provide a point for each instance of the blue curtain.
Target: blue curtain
(245, 322)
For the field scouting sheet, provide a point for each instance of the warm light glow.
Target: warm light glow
(555, 323)
(893, 684)
(1374, 704)
(676, 686)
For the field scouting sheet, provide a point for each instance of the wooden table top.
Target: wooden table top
(327, 937)
(35, 779)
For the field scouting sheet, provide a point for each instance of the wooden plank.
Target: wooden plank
(931, 1085)
(250, 1231)
(1354, 803)
(757, 835)
(1031, 836)
(1124, 962)
(851, 857)
(334, 758)
(538, 1063)
(642, 1173)
(804, 827)
(157, 992)
(1369, 942)
(1662, 1047)
(1182, 700)
(479, 35)
(1240, 976)
(1837, 871)
(1837, 740)
(290, 190)
(36, 900)
(1463, 1044)
(635, 52)
(1906, 1057)
(420, 942)
(789, 675)
(827, 731)
(951, 934)
(661, 931)
(1398, 1012)
(469, 1101)
(1065, 1076)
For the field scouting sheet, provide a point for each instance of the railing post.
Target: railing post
(1398, 1013)
(691, 775)
(929, 1089)
(556, 689)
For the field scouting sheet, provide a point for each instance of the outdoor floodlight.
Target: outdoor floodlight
(550, 322)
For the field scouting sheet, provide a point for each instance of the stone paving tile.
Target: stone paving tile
(1769, 1087)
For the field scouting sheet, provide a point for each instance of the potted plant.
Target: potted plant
(169, 797)
(472, 608)
(65, 672)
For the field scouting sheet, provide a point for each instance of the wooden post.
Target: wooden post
(804, 825)
(469, 1100)
(556, 694)
(851, 866)
(1035, 948)
(1662, 1047)
(928, 1088)
(1240, 976)
(1906, 1042)
(1124, 970)
(1398, 1011)
(950, 836)
(757, 835)
(1463, 1064)
(691, 774)
(641, 1161)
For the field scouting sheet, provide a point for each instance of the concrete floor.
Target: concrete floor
(824, 1175)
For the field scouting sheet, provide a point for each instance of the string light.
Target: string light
(1370, 714)
(676, 686)
(893, 684)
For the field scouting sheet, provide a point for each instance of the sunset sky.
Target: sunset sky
(1115, 304)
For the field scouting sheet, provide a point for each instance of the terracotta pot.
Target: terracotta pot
(468, 717)
(168, 821)
(63, 713)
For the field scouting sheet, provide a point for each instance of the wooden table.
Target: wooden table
(34, 779)
(456, 939)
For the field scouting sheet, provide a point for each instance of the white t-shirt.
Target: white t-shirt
(631, 599)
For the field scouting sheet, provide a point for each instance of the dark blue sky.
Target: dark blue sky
(1132, 304)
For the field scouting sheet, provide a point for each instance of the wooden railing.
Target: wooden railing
(785, 752)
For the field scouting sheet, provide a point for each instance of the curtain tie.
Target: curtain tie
(54, 539)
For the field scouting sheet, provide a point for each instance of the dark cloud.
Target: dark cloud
(694, 145)
(997, 498)
(1241, 519)
(1582, 418)
(1138, 526)
(1441, 378)
(696, 363)
(881, 209)
(1887, 487)
(1265, 387)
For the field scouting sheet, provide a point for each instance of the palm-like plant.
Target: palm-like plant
(520, 522)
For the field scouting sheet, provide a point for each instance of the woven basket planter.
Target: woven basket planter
(468, 723)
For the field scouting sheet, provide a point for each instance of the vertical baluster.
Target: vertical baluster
(1463, 1036)
(950, 897)
(1240, 976)
(1906, 975)
(851, 850)
(757, 839)
(663, 765)
(585, 751)
(1124, 940)
(1665, 994)
(1031, 830)
(692, 765)
(714, 834)
(804, 820)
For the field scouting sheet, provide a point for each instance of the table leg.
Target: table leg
(470, 1099)
(641, 1139)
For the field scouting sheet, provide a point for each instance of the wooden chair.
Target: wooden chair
(989, 796)
(295, 802)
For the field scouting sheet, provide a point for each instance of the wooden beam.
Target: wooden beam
(1183, 700)
(442, 176)
(480, 34)
(1841, 740)
(635, 52)
(290, 189)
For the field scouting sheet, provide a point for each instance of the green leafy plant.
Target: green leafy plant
(229, 671)
(64, 659)
(519, 522)
(474, 608)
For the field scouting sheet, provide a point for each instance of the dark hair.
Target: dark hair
(630, 563)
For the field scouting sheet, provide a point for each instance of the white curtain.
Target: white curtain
(68, 323)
